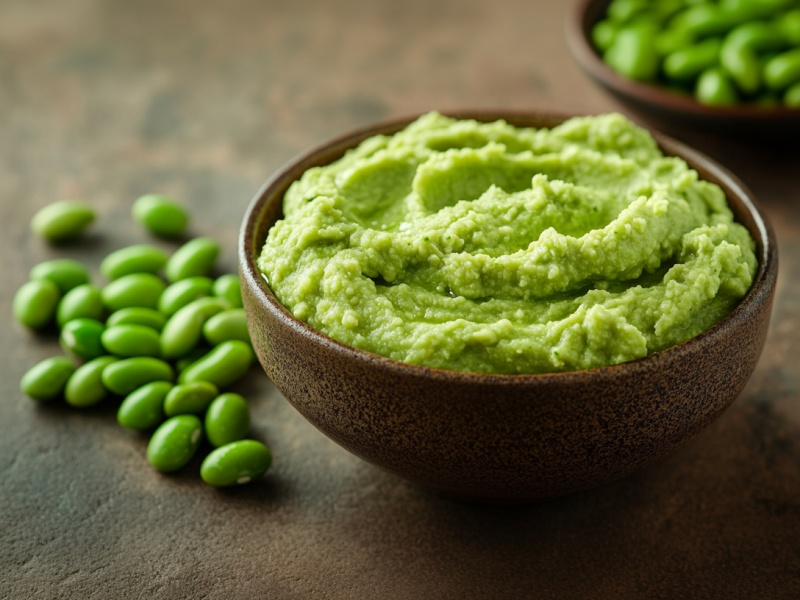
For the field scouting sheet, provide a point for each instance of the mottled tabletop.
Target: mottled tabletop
(109, 99)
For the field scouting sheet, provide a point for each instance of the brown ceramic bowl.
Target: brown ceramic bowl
(505, 438)
(663, 104)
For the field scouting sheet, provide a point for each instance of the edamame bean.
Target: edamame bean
(196, 257)
(222, 366)
(783, 70)
(85, 387)
(35, 303)
(792, 96)
(47, 379)
(622, 11)
(236, 463)
(230, 288)
(715, 89)
(789, 26)
(141, 258)
(160, 214)
(689, 62)
(137, 315)
(702, 20)
(64, 272)
(126, 375)
(182, 292)
(633, 53)
(227, 325)
(672, 40)
(174, 443)
(81, 338)
(184, 329)
(132, 340)
(63, 220)
(603, 35)
(190, 398)
(84, 301)
(227, 419)
(143, 408)
(138, 289)
(195, 355)
(738, 55)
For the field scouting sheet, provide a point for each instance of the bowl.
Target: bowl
(663, 104)
(505, 438)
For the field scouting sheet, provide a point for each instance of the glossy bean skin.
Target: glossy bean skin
(783, 71)
(126, 375)
(81, 338)
(174, 443)
(185, 328)
(196, 354)
(85, 387)
(792, 96)
(160, 214)
(132, 340)
(633, 53)
(136, 315)
(789, 27)
(715, 89)
(83, 301)
(64, 272)
(63, 220)
(227, 325)
(190, 398)
(227, 419)
(229, 287)
(738, 55)
(47, 379)
(705, 19)
(236, 463)
(196, 257)
(35, 303)
(143, 408)
(689, 62)
(222, 366)
(142, 258)
(672, 40)
(136, 290)
(603, 34)
(183, 292)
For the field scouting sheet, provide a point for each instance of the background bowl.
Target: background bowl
(505, 438)
(663, 104)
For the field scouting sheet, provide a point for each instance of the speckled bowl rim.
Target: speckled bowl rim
(586, 55)
(766, 251)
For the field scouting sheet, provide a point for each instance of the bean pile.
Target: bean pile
(723, 52)
(168, 347)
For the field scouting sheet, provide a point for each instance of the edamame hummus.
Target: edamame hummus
(488, 248)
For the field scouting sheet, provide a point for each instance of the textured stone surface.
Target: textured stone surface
(106, 100)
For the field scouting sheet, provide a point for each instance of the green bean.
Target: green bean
(139, 289)
(137, 315)
(194, 258)
(603, 34)
(160, 214)
(190, 398)
(703, 19)
(622, 11)
(738, 55)
(182, 292)
(633, 53)
(672, 40)
(783, 70)
(227, 419)
(64, 272)
(715, 89)
(792, 96)
(227, 325)
(143, 408)
(47, 379)
(35, 303)
(184, 329)
(789, 26)
(230, 288)
(132, 340)
(85, 387)
(174, 443)
(236, 463)
(63, 220)
(222, 366)
(81, 338)
(83, 301)
(141, 258)
(126, 375)
(689, 62)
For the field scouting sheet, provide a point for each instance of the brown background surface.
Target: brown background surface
(106, 100)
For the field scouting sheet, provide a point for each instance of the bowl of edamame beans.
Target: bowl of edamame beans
(727, 65)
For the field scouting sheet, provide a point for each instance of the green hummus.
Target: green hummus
(487, 248)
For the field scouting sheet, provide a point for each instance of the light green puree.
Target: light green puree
(487, 248)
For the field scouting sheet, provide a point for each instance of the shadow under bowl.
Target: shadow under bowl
(505, 438)
(663, 104)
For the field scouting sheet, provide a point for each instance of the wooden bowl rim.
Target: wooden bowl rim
(760, 291)
(579, 26)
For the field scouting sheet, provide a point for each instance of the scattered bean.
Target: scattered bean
(138, 289)
(195, 355)
(47, 379)
(227, 325)
(174, 443)
(83, 301)
(81, 338)
(160, 214)
(141, 258)
(143, 408)
(35, 303)
(236, 463)
(194, 258)
(127, 375)
(132, 340)
(182, 292)
(190, 398)
(137, 315)
(63, 220)
(222, 366)
(64, 272)
(184, 329)
(227, 419)
(230, 288)
(85, 387)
